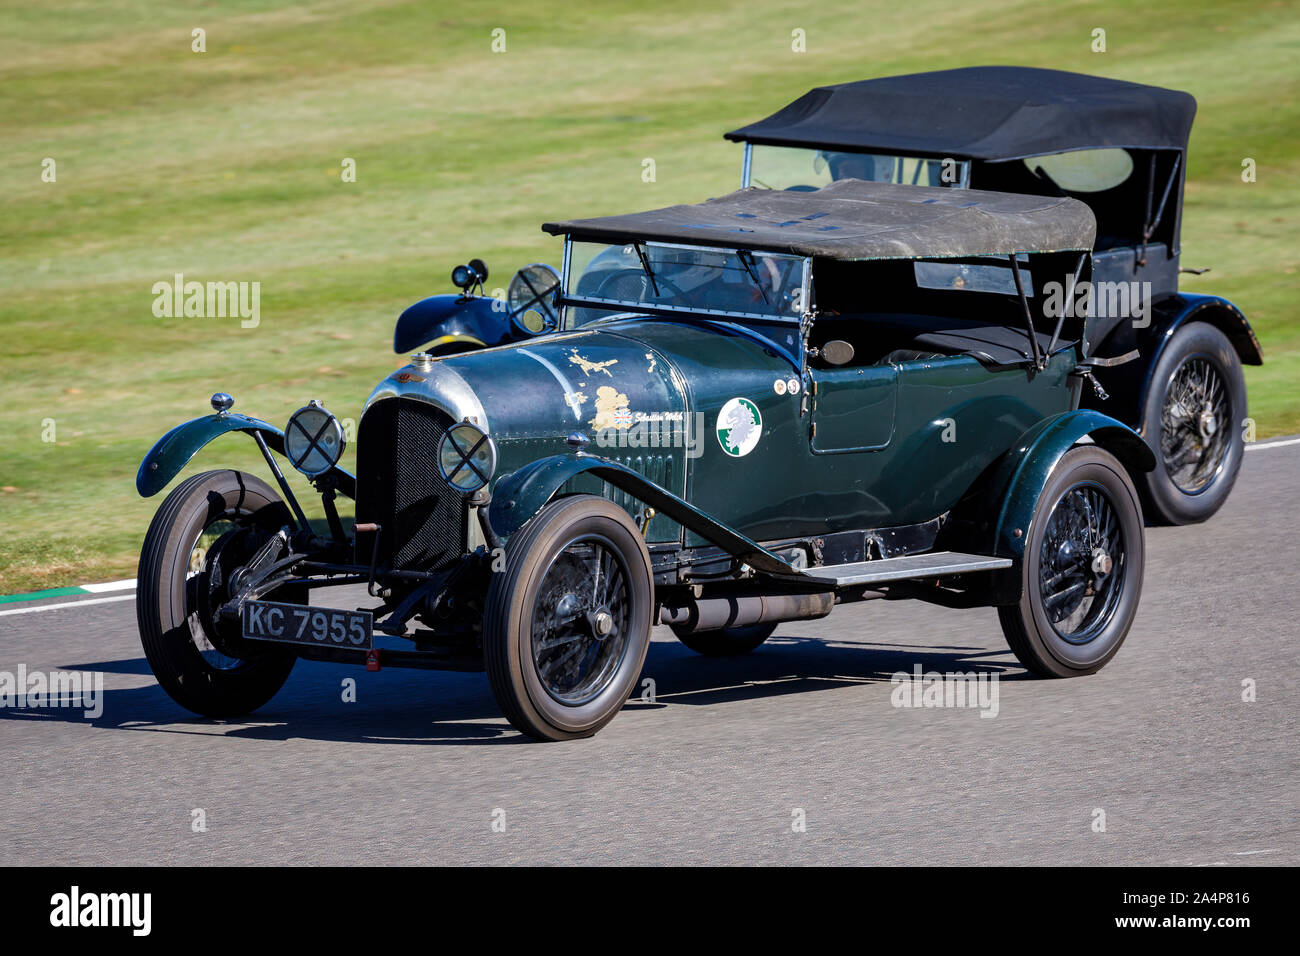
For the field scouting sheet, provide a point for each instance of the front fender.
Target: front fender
(454, 322)
(174, 450)
(520, 495)
(1010, 495)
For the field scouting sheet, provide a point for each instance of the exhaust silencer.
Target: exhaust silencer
(716, 613)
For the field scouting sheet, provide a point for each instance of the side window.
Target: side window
(1085, 170)
(972, 277)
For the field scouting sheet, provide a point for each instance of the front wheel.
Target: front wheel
(1192, 416)
(205, 530)
(567, 622)
(1081, 574)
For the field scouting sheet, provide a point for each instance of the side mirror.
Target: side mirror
(533, 321)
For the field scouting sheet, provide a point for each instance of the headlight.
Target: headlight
(531, 297)
(313, 439)
(467, 457)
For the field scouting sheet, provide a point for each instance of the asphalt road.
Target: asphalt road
(417, 770)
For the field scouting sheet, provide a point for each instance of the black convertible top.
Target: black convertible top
(851, 219)
(982, 112)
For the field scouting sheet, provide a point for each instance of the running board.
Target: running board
(935, 564)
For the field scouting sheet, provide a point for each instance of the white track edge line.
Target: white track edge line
(55, 607)
(123, 585)
(1272, 444)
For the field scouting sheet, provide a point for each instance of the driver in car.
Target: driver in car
(864, 166)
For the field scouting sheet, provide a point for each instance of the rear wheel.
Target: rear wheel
(1081, 574)
(567, 622)
(1192, 417)
(730, 642)
(205, 530)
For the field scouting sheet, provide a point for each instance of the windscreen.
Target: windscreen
(789, 167)
(633, 277)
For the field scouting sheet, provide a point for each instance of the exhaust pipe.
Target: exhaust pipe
(716, 613)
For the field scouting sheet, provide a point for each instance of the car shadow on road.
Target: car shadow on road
(396, 706)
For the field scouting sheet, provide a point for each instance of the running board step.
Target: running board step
(935, 564)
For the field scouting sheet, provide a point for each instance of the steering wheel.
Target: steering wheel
(629, 285)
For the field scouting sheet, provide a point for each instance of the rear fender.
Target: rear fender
(174, 450)
(997, 519)
(1216, 311)
(520, 495)
(1128, 383)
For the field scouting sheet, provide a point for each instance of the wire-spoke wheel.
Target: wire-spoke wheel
(1081, 573)
(1081, 563)
(203, 533)
(567, 623)
(580, 620)
(1193, 419)
(1193, 442)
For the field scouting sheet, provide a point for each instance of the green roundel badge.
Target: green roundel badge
(740, 426)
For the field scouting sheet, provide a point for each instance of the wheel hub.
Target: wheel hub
(1101, 562)
(602, 623)
(1208, 422)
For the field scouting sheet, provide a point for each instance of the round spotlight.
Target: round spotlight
(467, 457)
(475, 272)
(313, 440)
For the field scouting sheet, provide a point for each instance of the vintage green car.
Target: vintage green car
(752, 410)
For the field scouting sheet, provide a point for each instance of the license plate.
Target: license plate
(296, 624)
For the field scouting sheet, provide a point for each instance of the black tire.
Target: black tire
(729, 642)
(550, 563)
(1198, 450)
(1088, 492)
(174, 613)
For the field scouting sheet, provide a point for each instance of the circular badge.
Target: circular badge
(740, 426)
(793, 386)
(779, 386)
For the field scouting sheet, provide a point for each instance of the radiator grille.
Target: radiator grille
(400, 489)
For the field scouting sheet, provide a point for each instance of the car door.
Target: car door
(955, 418)
(853, 409)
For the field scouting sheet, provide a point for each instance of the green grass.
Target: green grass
(225, 166)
